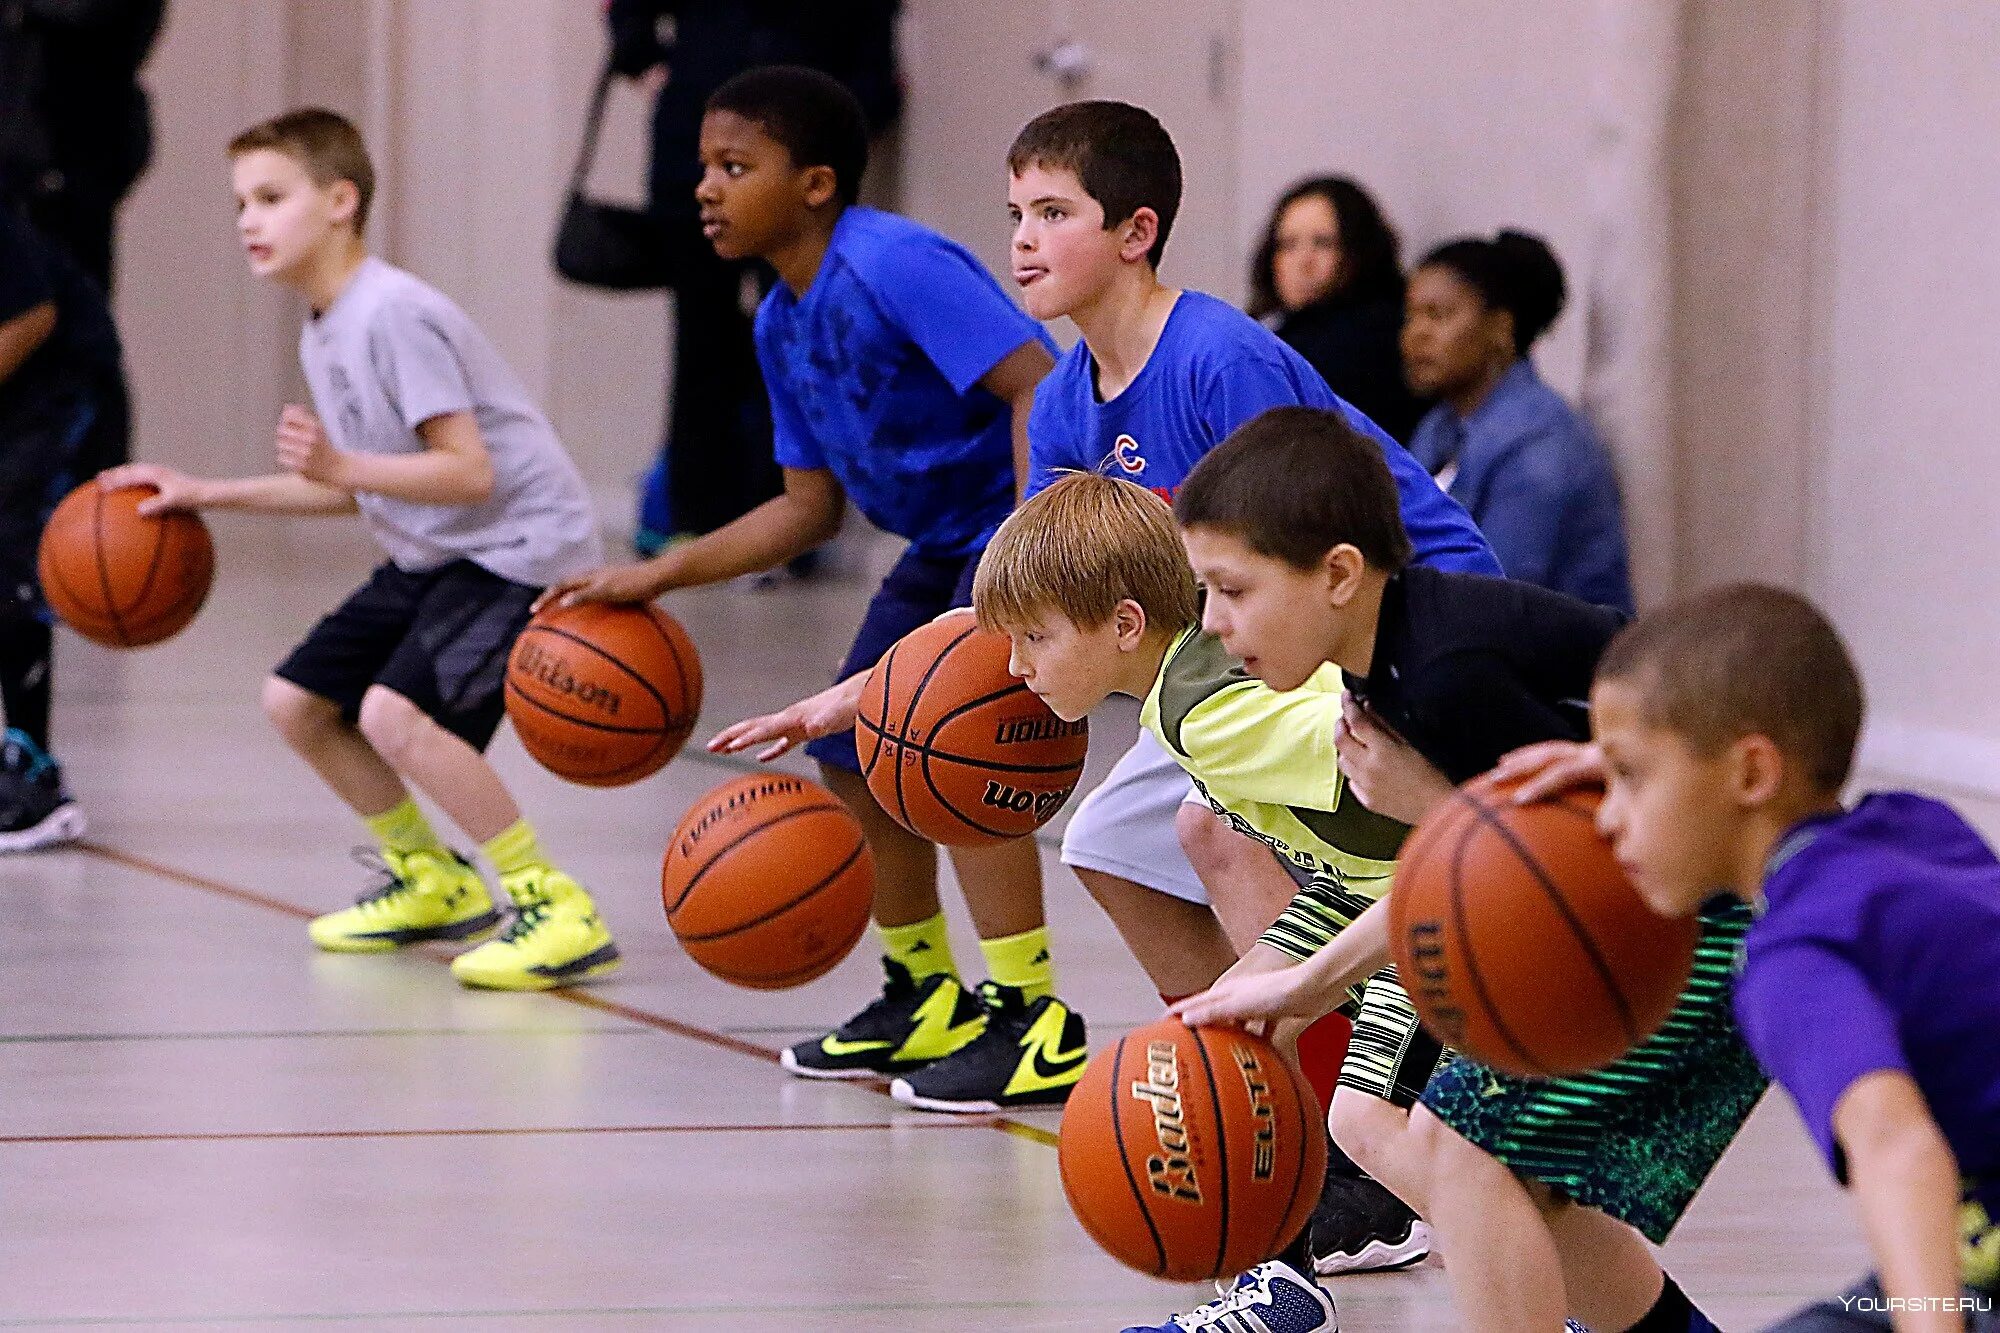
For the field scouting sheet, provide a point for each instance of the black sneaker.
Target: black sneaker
(1358, 1226)
(1031, 1054)
(909, 1025)
(35, 811)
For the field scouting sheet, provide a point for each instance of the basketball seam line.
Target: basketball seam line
(691, 686)
(1598, 962)
(1221, 1151)
(612, 728)
(1465, 947)
(1317, 1125)
(153, 565)
(860, 846)
(738, 841)
(103, 570)
(933, 751)
(910, 712)
(1125, 1160)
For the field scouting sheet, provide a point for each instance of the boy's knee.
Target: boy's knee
(297, 713)
(390, 722)
(1366, 1127)
(1201, 837)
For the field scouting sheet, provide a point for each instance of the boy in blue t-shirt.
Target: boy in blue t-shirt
(1724, 729)
(900, 376)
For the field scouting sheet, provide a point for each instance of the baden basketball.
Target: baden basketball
(119, 578)
(1521, 940)
(1191, 1153)
(603, 695)
(767, 882)
(957, 750)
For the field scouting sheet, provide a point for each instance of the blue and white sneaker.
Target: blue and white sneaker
(35, 809)
(1273, 1297)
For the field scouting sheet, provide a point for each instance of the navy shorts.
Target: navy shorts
(439, 638)
(916, 591)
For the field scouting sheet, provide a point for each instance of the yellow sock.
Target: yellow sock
(1022, 960)
(516, 850)
(404, 830)
(922, 946)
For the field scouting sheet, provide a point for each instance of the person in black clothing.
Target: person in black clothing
(1543, 1192)
(1328, 279)
(62, 415)
(715, 464)
(75, 127)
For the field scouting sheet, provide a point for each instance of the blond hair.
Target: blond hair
(325, 143)
(1078, 549)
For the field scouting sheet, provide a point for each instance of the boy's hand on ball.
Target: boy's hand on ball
(1272, 988)
(1551, 768)
(614, 583)
(303, 448)
(174, 490)
(829, 711)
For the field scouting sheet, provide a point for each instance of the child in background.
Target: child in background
(423, 430)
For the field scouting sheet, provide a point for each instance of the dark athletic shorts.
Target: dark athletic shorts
(439, 638)
(1636, 1139)
(917, 590)
(42, 455)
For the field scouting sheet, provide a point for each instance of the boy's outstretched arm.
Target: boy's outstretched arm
(831, 710)
(1905, 1181)
(1013, 382)
(1312, 989)
(805, 515)
(278, 493)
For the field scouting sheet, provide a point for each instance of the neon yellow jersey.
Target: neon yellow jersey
(1266, 762)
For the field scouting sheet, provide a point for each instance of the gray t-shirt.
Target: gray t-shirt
(391, 353)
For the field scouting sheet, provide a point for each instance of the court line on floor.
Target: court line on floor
(488, 1132)
(306, 1034)
(583, 998)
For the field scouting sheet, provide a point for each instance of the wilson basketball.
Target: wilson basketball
(603, 695)
(1521, 940)
(957, 750)
(768, 882)
(119, 578)
(1191, 1153)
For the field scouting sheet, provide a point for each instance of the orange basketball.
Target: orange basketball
(957, 750)
(1521, 940)
(603, 695)
(121, 579)
(1191, 1153)
(768, 881)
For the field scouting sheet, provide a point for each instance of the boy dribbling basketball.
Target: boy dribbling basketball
(424, 432)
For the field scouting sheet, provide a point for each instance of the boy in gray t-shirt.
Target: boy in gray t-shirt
(423, 431)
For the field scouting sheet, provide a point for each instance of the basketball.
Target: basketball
(1191, 1153)
(119, 578)
(1521, 940)
(768, 882)
(603, 695)
(957, 750)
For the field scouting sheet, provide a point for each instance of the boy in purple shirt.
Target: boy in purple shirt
(1725, 728)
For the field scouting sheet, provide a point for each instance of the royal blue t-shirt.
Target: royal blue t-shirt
(1213, 369)
(873, 376)
(1879, 948)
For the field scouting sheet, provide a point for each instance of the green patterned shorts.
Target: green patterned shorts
(1637, 1138)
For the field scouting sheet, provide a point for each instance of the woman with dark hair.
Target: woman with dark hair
(1523, 462)
(1328, 279)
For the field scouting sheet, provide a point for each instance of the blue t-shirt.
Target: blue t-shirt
(874, 376)
(1879, 948)
(1213, 369)
(1532, 474)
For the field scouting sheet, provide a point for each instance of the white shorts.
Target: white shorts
(1125, 827)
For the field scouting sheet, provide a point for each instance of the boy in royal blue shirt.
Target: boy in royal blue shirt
(1724, 729)
(900, 376)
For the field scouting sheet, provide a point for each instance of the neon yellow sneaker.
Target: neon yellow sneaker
(555, 938)
(421, 896)
(910, 1024)
(1031, 1054)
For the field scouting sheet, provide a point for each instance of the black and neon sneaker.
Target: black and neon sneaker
(1031, 1054)
(35, 810)
(1359, 1226)
(910, 1024)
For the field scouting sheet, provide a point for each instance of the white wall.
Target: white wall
(1909, 500)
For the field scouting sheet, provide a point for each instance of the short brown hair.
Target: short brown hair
(1292, 483)
(1120, 153)
(1081, 547)
(325, 143)
(1741, 660)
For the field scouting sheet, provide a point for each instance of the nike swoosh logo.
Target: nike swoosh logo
(834, 1046)
(1047, 1065)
